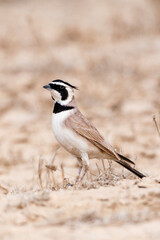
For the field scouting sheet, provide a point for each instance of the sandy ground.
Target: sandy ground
(111, 51)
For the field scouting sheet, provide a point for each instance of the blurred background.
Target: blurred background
(109, 49)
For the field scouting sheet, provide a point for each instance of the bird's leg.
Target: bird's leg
(79, 173)
(86, 168)
(85, 162)
(79, 170)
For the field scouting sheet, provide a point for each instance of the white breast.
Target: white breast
(66, 137)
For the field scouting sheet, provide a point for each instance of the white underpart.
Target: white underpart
(67, 138)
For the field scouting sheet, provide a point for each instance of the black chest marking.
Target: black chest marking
(60, 108)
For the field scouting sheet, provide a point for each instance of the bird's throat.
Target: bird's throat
(60, 108)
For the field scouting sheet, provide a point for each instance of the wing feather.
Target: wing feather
(85, 129)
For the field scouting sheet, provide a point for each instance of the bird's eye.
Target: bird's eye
(61, 87)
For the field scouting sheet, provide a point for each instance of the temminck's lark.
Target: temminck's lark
(76, 134)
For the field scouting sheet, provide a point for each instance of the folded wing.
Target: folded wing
(84, 128)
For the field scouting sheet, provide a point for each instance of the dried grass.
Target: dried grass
(4, 189)
(156, 120)
(101, 177)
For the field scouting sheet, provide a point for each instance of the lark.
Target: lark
(76, 134)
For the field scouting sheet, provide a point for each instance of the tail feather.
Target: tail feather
(125, 159)
(133, 170)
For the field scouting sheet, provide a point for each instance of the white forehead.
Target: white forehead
(60, 84)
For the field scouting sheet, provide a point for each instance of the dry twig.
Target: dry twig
(40, 171)
(156, 124)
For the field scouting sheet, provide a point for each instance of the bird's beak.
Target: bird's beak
(47, 87)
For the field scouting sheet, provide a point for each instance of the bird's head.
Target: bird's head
(61, 91)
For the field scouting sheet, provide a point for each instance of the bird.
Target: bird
(76, 134)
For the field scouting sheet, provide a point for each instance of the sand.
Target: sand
(110, 50)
